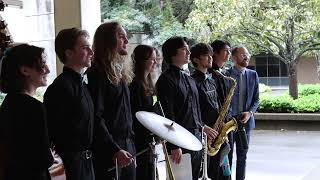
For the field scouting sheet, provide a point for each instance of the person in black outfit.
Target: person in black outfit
(201, 58)
(24, 142)
(178, 94)
(142, 90)
(108, 81)
(70, 107)
(221, 54)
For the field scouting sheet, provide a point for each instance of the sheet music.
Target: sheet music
(182, 171)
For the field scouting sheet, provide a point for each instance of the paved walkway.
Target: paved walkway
(283, 155)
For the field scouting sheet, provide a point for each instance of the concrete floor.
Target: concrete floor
(283, 155)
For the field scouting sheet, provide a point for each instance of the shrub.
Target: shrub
(285, 104)
(307, 104)
(276, 103)
(308, 89)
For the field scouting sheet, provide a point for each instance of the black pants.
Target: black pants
(215, 171)
(78, 165)
(102, 160)
(145, 166)
(241, 154)
(26, 173)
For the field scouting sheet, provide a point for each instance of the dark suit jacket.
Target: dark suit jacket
(252, 95)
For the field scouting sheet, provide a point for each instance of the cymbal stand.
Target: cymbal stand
(117, 170)
(154, 156)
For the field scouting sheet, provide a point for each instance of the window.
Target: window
(271, 70)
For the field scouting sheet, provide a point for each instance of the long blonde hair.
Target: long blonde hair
(107, 60)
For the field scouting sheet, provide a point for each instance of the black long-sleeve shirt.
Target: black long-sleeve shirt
(140, 102)
(178, 95)
(112, 109)
(222, 88)
(24, 137)
(70, 112)
(208, 97)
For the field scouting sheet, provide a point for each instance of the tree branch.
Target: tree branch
(314, 44)
(305, 41)
(268, 49)
(306, 50)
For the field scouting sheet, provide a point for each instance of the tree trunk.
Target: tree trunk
(317, 56)
(293, 80)
(318, 72)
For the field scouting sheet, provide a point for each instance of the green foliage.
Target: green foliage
(182, 9)
(276, 104)
(308, 89)
(133, 19)
(260, 25)
(287, 29)
(148, 17)
(308, 101)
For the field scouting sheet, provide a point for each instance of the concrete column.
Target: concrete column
(84, 14)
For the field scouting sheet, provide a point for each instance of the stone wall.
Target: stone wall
(34, 24)
(288, 121)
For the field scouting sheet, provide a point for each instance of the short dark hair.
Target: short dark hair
(218, 45)
(66, 39)
(170, 46)
(11, 78)
(198, 50)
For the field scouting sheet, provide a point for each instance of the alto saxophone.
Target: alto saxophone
(224, 128)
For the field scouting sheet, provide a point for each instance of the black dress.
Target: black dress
(24, 138)
(141, 102)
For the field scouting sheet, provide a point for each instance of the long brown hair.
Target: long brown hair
(107, 60)
(140, 55)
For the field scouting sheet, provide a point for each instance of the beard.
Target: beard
(123, 52)
(243, 63)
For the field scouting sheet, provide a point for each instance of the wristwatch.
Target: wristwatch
(251, 113)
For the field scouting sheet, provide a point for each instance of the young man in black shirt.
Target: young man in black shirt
(201, 58)
(70, 107)
(179, 97)
(108, 82)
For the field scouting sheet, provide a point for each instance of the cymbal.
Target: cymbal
(169, 130)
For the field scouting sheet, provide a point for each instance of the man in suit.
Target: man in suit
(244, 103)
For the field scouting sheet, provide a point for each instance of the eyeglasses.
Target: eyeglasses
(243, 55)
